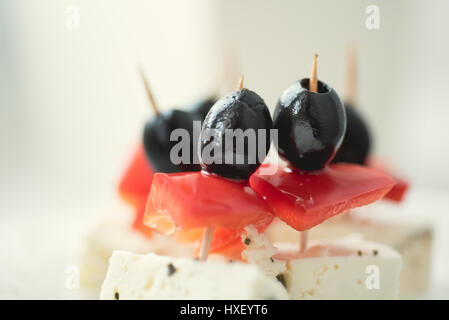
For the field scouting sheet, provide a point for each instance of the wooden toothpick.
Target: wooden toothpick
(209, 231)
(205, 243)
(303, 241)
(313, 86)
(240, 83)
(147, 88)
(313, 82)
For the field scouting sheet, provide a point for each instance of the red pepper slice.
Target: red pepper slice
(135, 185)
(137, 223)
(398, 192)
(233, 250)
(305, 199)
(136, 182)
(183, 204)
(199, 200)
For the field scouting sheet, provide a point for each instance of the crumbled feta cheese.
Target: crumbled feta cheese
(260, 251)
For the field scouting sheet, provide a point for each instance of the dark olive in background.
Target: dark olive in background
(156, 139)
(243, 109)
(357, 141)
(202, 107)
(311, 125)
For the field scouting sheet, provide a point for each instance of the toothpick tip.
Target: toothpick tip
(148, 90)
(313, 82)
(240, 83)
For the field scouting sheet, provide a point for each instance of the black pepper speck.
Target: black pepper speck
(171, 269)
(247, 241)
(281, 278)
(359, 253)
(375, 252)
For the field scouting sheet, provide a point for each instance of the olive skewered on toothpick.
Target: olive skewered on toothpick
(311, 122)
(239, 111)
(240, 116)
(157, 132)
(313, 86)
(356, 144)
(209, 232)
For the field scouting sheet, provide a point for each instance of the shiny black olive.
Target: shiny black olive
(202, 107)
(357, 141)
(310, 125)
(156, 139)
(237, 156)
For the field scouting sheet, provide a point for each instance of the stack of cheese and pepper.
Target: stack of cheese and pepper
(217, 218)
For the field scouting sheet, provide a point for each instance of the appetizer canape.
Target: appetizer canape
(228, 205)
(412, 239)
(127, 232)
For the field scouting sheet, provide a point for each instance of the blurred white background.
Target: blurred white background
(72, 104)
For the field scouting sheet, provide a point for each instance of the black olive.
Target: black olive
(243, 109)
(357, 141)
(202, 107)
(156, 139)
(310, 125)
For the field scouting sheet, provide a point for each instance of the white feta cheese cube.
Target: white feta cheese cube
(412, 240)
(150, 276)
(343, 269)
(116, 233)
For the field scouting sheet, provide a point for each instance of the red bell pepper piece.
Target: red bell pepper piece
(184, 203)
(135, 185)
(305, 199)
(199, 200)
(398, 192)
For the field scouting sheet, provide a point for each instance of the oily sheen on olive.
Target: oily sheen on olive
(311, 125)
(243, 109)
(156, 139)
(357, 141)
